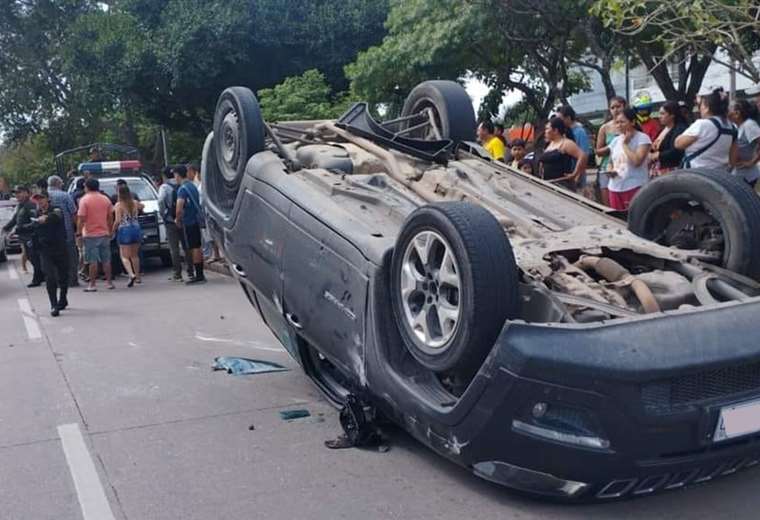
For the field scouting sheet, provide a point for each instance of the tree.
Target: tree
(449, 39)
(685, 28)
(686, 35)
(307, 96)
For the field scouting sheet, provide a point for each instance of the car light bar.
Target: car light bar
(109, 166)
(565, 438)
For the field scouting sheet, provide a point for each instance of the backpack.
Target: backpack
(722, 130)
(171, 208)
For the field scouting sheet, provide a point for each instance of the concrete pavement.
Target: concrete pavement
(170, 439)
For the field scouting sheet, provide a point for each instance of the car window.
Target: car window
(138, 186)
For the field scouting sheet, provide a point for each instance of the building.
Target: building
(592, 104)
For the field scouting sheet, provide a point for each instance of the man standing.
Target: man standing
(579, 135)
(63, 201)
(490, 141)
(22, 220)
(188, 218)
(94, 224)
(50, 229)
(194, 174)
(167, 207)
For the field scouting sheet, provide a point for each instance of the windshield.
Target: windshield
(137, 185)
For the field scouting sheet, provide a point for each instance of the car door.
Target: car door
(325, 290)
(255, 246)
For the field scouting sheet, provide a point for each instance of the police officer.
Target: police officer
(22, 221)
(50, 232)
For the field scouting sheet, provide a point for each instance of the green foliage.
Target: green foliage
(303, 97)
(526, 46)
(78, 71)
(685, 27)
(26, 161)
(427, 39)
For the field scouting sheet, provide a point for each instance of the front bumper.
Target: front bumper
(648, 390)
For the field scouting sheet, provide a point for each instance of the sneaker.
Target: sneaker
(174, 278)
(196, 281)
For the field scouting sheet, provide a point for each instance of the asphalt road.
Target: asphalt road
(112, 411)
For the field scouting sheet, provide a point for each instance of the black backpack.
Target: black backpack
(171, 209)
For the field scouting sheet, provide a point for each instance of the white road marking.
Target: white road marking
(90, 492)
(30, 321)
(12, 273)
(254, 344)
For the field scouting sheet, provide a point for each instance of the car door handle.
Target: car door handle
(239, 271)
(293, 320)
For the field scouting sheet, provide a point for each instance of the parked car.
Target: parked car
(108, 173)
(510, 326)
(10, 244)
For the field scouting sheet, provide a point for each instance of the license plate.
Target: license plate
(738, 420)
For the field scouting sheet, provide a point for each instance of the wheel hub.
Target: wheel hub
(430, 291)
(230, 140)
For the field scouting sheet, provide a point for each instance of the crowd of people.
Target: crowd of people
(632, 147)
(68, 236)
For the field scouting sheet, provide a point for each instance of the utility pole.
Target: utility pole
(163, 147)
(627, 80)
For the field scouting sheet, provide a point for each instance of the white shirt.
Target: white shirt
(717, 156)
(628, 176)
(747, 144)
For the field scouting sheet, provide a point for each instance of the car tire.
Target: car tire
(239, 133)
(452, 107)
(729, 203)
(448, 329)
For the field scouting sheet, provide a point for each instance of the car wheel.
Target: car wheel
(703, 210)
(449, 105)
(454, 282)
(238, 135)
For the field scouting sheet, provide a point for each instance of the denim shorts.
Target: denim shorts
(129, 234)
(97, 249)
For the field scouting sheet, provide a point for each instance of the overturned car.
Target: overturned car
(513, 327)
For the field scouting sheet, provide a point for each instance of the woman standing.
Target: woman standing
(745, 115)
(128, 234)
(710, 142)
(628, 151)
(664, 156)
(604, 138)
(556, 162)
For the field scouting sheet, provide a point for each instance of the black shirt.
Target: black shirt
(51, 236)
(22, 220)
(670, 156)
